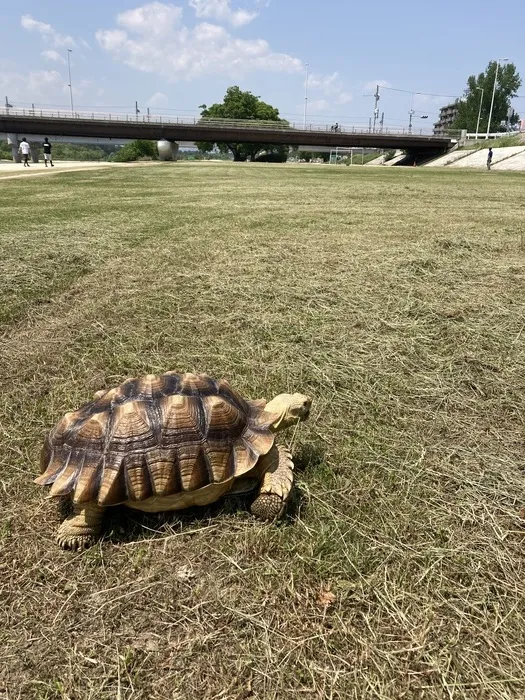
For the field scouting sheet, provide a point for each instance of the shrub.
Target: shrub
(136, 150)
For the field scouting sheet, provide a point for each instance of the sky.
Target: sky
(174, 56)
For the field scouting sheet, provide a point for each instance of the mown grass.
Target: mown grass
(396, 299)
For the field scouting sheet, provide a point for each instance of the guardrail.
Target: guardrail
(201, 122)
(493, 135)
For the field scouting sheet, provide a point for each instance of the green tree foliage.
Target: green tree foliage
(239, 104)
(507, 86)
(313, 155)
(275, 154)
(74, 151)
(136, 150)
(5, 151)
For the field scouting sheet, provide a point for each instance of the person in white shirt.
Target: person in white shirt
(25, 150)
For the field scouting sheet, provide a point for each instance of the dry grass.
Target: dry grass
(396, 299)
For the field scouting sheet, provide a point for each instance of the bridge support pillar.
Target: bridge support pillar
(168, 150)
(34, 152)
(12, 140)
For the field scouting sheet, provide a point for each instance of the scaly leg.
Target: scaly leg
(81, 529)
(276, 484)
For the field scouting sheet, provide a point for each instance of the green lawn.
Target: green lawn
(394, 297)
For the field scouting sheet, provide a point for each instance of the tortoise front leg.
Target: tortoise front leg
(81, 529)
(276, 484)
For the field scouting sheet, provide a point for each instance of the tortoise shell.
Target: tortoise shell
(154, 436)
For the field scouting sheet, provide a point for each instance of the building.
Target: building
(447, 114)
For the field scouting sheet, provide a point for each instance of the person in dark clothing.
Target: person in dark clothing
(47, 152)
(489, 158)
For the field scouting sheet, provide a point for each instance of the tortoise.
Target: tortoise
(168, 442)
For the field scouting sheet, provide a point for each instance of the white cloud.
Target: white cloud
(80, 87)
(159, 100)
(372, 84)
(44, 88)
(36, 86)
(425, 101)
(153, 39)
(47, 32)
(52, 55)
(221, 11)
(318, 106)
(331, 86)
(344, 98)
(153, 19)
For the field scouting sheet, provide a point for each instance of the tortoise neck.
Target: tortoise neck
(279, 409)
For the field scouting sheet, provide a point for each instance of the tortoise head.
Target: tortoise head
(290, 409)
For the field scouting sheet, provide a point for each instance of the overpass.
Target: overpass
(170, 130)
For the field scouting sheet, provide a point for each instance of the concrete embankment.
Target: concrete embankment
(509, 158)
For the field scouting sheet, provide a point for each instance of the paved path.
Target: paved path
(10, 170)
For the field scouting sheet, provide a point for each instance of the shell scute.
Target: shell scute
(164, 471)
(137, 478)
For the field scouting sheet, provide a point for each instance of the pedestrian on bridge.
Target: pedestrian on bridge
(25, 150)
(47, 152)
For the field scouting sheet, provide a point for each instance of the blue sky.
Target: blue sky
(174, 56)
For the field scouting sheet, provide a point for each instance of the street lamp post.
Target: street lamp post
(305, 93)
(69, 84)
(504, 60)
(479, 113)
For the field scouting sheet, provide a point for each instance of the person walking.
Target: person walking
(47, 152)
(25, 150)
(489, 158)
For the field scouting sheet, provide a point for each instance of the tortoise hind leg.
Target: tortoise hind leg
(81, 529)
(276, 484)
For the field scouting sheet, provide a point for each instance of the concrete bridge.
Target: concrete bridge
(168, 131)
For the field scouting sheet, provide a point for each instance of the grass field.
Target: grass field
(396, 298)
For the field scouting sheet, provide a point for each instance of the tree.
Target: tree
(239, 104)
(139, 149)
(507, 85)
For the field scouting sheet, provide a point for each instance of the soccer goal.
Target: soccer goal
(338, 154)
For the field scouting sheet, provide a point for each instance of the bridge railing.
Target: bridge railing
(204, 122)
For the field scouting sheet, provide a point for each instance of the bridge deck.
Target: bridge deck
(235, 131)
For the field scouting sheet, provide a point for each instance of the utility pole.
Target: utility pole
(479, 113)
(7, 105)
(494, 93)
(137, 110)
(69, 84)
(376, 110)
